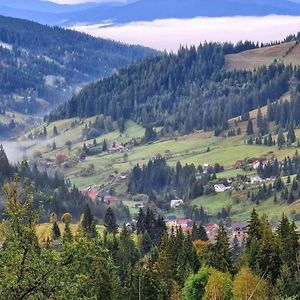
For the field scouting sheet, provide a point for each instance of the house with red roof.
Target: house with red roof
(108, 199)
(116, 148)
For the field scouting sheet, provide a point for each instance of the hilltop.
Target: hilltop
(288, 53)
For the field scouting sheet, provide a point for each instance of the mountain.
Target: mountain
(45, 6)
(147, 10)
(144, 10)
(192, 90)
(42, 65)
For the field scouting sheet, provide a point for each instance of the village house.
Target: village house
(89, 192)
(205, 168)
(116, 148)
(239, 164)
(239, 229)
(176, 203)
(257, 163)
(256, 179)
(211, 230)
(108, 199)
(220, 188)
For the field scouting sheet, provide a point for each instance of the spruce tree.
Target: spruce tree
(104, 146)
(88, 223)
(250, 130)
(202, 233)
(5, 169)
(110, 221)
(67, 236)
(55, 231)
(220, 256)
(55, 131)
(291, 136)
(280, 139)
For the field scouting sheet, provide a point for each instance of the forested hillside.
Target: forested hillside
(189, 91)
(42, 65)
(51, 192)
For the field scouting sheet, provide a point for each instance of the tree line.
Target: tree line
(120, 264)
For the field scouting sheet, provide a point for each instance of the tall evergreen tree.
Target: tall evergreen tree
(220, 258)
(250, 130)
(110, 221)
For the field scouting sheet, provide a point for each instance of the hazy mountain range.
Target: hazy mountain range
(142, 10)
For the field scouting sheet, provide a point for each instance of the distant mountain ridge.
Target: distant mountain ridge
(143, 10)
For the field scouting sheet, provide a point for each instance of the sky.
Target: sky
(101, 1)
(171, 33)
(83, 1)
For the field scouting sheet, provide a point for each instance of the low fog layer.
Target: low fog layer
(170, 34)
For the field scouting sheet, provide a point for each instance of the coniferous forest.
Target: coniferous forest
(43, 62)
(146, 262)
(191, 90)
(139, 186)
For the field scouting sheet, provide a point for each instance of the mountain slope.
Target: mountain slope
(181, 93)
(255, 58)
(41, 65)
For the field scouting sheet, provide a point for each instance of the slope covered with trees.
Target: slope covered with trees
(41, 65)
(50, 193)
(163, 265)
(183, 92)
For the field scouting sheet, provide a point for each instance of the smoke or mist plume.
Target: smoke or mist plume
(16, 151)
(171, 33)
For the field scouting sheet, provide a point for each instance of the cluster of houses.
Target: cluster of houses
(253, 164)
(94, 195)
(238, 230)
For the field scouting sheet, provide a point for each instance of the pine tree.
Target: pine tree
(5, 169)
(53, 146)
(259, 119)
(202, 233)
(250, 130)
(236, 249)
(55, 131)
(291, 136)
(87, 223)
(140, 224)
(104, 146)
(146, 244)
(110, 221)
(55, 231)
(221, 256)
(280, 139)
(67, 236)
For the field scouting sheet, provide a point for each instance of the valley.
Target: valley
(129, 173)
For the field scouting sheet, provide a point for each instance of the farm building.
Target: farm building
(176, 203)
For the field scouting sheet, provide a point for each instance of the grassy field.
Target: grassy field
(17, 117)
(43, 231)
(252, 59)
(191, 148)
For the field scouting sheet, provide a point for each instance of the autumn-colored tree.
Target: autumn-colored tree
(246, 285)
(218, 287)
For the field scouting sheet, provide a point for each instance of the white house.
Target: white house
(176, 203)
(256, 179)
(205, 168)
(220, 188)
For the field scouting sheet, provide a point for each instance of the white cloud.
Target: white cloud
(171, 33)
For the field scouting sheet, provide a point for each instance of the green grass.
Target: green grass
(187, 149)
